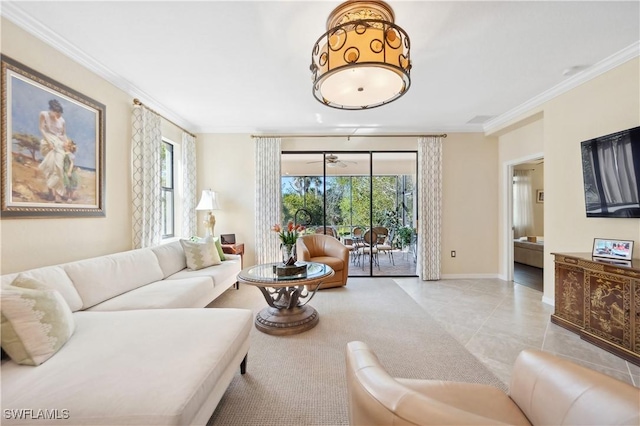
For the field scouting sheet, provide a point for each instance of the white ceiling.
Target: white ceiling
(243, 66)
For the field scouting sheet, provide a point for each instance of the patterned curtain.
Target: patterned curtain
(267, 199)
(189, 199)
(429, 207)
(146, 143)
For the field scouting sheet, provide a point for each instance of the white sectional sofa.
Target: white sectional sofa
(143, 351)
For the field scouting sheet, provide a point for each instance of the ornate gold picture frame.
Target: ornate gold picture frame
(53, 147)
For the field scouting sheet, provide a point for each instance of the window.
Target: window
(167, 189)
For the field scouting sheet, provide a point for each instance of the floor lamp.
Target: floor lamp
(208, 202)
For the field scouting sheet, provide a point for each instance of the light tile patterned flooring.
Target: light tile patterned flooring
(496, 319)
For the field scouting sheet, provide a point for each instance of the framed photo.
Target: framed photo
(612, 249)
(53, 147)
(539, 196)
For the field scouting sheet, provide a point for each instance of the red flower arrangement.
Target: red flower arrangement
(289, 234)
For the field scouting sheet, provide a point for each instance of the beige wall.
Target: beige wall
(517, 145)
(470, 205)
(28, 243)
(226, 164)
(606, 104)
(537, 184)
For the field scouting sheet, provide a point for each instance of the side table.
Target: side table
(237, 248)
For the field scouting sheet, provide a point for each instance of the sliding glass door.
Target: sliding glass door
(364, 199)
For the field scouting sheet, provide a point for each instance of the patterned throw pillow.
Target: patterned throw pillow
(200, 255)
(35, 321)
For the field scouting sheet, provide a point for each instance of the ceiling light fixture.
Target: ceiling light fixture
(363, 59)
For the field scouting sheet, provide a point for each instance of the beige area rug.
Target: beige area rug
(300, 380)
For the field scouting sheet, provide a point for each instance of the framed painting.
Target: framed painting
(53, 147)
(612, 249)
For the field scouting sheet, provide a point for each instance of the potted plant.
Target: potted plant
(405, 235)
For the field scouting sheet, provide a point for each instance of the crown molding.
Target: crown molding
(607, 64)
(12, 12)
(340, 131)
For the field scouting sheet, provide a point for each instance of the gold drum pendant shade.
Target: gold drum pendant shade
(363, 60)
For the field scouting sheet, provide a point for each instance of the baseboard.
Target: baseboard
(548, 300)
(468, 276)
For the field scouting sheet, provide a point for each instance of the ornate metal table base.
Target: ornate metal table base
(286, 314)
(288, 297)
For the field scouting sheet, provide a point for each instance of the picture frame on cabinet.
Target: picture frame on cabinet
(612, 249)
(53, 147)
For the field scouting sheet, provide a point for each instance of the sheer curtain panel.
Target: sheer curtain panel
(522, 203)
(146, 142)
(189, 196)
(268, 204)
(429, 207)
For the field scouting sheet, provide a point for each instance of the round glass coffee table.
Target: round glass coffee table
(287, 296)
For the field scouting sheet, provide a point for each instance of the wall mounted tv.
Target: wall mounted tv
(611, 171)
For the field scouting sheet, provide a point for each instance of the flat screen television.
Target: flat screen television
(611, 172)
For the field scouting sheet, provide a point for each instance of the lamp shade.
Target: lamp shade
(208, 200)
(363, 59)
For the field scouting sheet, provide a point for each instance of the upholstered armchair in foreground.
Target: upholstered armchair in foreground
(322, 248)
(545, 390)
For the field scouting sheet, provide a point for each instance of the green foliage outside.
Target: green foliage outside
(347, 201)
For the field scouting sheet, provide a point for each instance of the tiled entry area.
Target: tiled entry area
(496, 319)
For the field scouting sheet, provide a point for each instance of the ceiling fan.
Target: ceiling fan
(333, 161)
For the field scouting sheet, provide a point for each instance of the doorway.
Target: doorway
(527, 223)
(365, 199)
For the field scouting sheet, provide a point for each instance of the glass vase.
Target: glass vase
(289, 255)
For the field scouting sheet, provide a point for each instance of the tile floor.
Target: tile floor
(496, 319)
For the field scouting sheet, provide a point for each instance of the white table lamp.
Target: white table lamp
(208, 202)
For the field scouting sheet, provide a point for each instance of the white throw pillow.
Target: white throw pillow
(200, 255)
(35, 321)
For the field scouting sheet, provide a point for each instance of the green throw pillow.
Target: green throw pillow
(219, 247)
(200, 255)
(35, 321)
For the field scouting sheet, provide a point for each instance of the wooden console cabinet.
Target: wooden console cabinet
(600, 301)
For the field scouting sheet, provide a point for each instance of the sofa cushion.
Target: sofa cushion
(200, 254)
(53, 277)
(153, 367)
(170, 257)
(218, 273)
(185, 293)
(102, 278)
(35, 321)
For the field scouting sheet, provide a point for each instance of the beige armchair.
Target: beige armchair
(324, 249)
(545, 390)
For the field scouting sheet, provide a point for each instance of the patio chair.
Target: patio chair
(327, 231)
(384, 242)
(369, 247)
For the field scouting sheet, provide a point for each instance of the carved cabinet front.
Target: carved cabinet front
(599, 301)
(570, 294)
(608, 308)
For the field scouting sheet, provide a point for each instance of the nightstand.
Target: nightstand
(237, 248)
